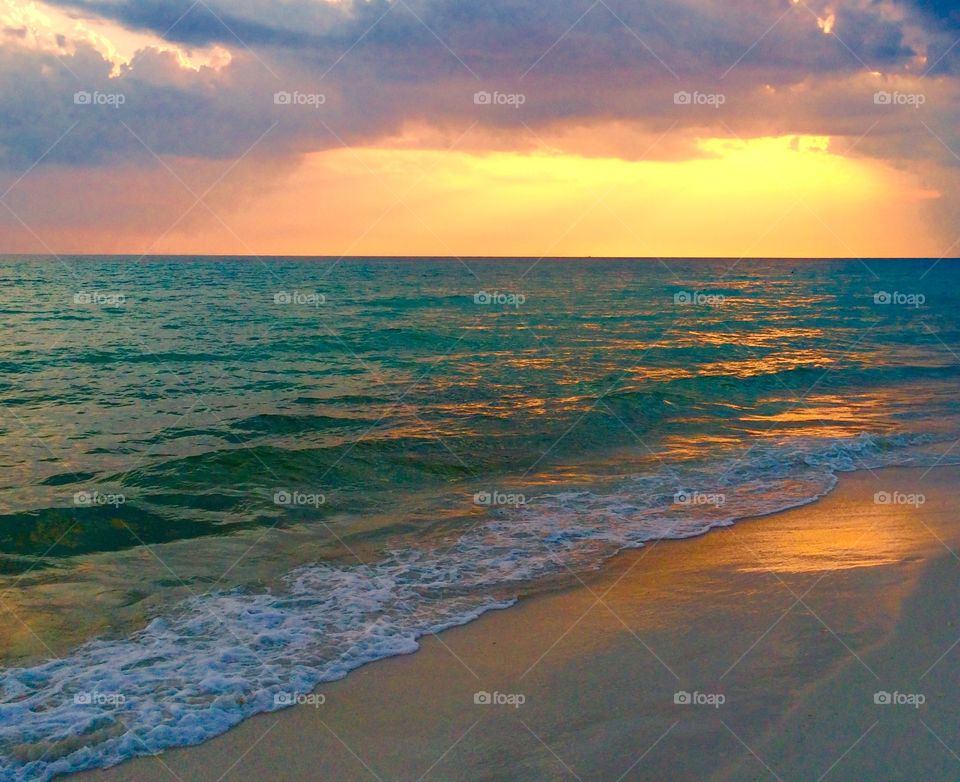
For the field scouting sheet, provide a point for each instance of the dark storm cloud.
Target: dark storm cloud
(943, 12)
(940, 20)
(379, 65)
(505, 37)
(188, 21)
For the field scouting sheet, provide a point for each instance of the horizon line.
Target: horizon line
(335, 257)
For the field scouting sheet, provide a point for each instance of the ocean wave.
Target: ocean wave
(219, 658)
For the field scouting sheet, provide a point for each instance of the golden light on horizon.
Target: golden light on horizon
(774, 196)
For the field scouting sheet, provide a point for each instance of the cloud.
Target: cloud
(382, 65)
(507, 36)
(409, 70)
(201, 23)
(940, 11)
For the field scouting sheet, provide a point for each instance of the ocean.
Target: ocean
(228, 480)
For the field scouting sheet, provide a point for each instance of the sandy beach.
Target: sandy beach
(782, 634)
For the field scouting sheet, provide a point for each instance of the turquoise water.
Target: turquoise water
(227, 480)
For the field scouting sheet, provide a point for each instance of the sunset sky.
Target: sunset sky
(503, 127)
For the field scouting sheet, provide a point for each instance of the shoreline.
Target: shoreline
(572, 653)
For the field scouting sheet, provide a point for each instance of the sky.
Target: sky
(654, 128)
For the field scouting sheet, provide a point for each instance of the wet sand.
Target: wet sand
(783, 630)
